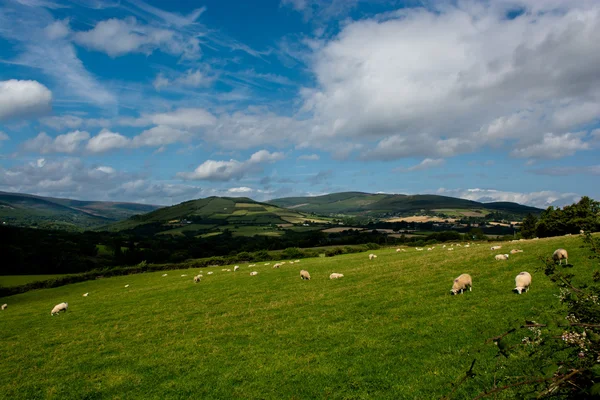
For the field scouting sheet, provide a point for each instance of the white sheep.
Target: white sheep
(515, 251)
(209, 273)
(467, 245)
(4, 306)
(419, 248)
(197, 279)
(236, 268)
(461, 284)
(164, 274)
(304, 275)
(444, 246)
(335, 275)
(59, 307)
(372, 256)
(458, 245)
(183, 275)
(501, 257)
(291, 262)
(429, 249)
(559, 255)
(397, 250)
(522, 282)
(85, 294)
(127, 285)
(450, 248)
(278, 265)
(581, 232)
(495, 248)
(267, 263)
(297, 261)
(253, 273)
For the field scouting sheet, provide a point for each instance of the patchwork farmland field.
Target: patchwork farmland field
(389, 329)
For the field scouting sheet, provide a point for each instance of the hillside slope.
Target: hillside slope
(210, 214)
(48, 212)
(384, 205)
(387, 330)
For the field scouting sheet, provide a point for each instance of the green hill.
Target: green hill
(388, 330)
(386, 205)
(47, 212)
(213, 215)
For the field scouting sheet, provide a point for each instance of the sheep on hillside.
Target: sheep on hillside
(304, 275)
(164, 274)
(515, 251)
(297, 261)
(397, 250)
(127, 285)
(495, 248)
(559, 255)
(237, 267)
(209, 273)
(418, 248)
(581, 232)
(467, 245)
(522, 282)
(501, 257)
(253, 273)
(335, 275)
(278, 265)
(450, 248)
(59, 307)
(4, 306)
(85, 294)
(197, 279)
(372, 256)
(462, 283)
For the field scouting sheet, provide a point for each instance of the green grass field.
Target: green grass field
(17, 280)
(388, 330)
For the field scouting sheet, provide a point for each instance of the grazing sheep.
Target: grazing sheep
(335, 275)
(4, 306)
(495, 248)
(515, 251)
(228, 270)
(501, 257)
(450, 248)
(397, 250)
(59, 307)
(467, 245)
(458, 245)
(297, 261)
(444, 246)
(197, 279)
(127, 285)
(164, 274)
(581, 232)
(372, 256)
(304, 275)
(183, 275)
(461, 284)
(429, 249)
(559, 255)
(568, 234)
(267, 263)
(209, 273)
(236, 268)
(291, 262)
(418, 248)
(522, 282)
(85, 294)
(253, 273)
(278, 265)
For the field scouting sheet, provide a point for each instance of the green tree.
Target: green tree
(528, 230)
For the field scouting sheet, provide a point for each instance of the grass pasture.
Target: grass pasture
(387, 330)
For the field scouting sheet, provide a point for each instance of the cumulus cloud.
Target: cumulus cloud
(107, 140)
(117, 37)
(441, 81)
(212, 170)
(160, 136)
(23, 99)
(59, 122)
(553, 146)
(427, 163)
(241, 189)
(58, 30)
(189, 79)
(68, 143)
(541, 199)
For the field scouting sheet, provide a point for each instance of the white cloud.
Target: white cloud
(427, 163)
(541, 199)
(3, 136)
(212, 170)
(107, 140)
(309, 157)
(72, 122)
(68, 143)
(241, 189)
(23, 98)
(160, 82)
(58, 30)
(553, 146)
(160, 136)
(117, 37)
(184, 118)
(441, 82)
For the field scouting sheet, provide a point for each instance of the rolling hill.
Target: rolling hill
(29, 210)
(212, 215)
(385, 205)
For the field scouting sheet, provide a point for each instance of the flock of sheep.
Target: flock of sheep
(460, 284)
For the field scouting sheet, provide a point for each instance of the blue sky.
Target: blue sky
(161, 102)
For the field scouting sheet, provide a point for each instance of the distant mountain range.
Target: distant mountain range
(382, 205)
(212, 215)
(48, 212)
